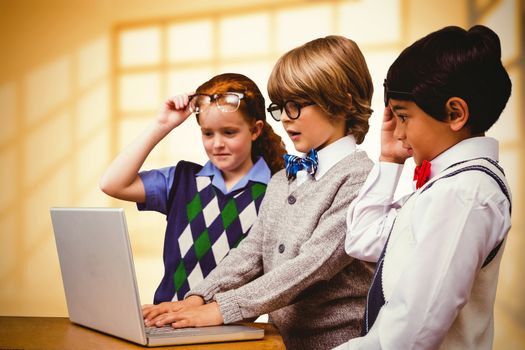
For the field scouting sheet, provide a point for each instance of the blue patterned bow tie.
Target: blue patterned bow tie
(294, 164)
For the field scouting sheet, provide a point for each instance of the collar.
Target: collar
(470, 148)
(260, 172)
(330, 156)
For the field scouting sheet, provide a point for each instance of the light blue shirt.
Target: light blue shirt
(258, 173)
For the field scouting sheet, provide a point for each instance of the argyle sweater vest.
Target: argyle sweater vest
(203, 224)
(467, 331)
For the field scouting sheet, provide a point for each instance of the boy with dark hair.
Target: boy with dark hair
(439, 248)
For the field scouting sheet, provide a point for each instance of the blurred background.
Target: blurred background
(80, 79)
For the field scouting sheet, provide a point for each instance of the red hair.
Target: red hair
(268, 145)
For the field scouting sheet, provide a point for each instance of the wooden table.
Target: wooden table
(59, 333)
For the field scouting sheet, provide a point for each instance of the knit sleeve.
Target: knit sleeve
(320, 258)
(241, 265)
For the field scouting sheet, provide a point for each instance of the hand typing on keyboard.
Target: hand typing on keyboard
(154, 313)
(197, 316)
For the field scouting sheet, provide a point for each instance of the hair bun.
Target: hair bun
(486, 40)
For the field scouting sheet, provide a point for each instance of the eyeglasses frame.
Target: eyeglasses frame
(215, 97)
(274, 106)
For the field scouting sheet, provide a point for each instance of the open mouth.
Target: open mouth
(292, 133)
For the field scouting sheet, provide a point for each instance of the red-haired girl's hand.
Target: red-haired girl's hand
(392, 149)
(174, 111)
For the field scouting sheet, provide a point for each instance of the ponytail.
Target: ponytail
(270, 146)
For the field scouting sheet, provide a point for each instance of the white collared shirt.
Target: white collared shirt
(329, 156)
(455, 225)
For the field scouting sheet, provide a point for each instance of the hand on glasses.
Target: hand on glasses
(174, 111)
(177, 109)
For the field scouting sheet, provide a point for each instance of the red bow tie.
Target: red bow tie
(421, 173)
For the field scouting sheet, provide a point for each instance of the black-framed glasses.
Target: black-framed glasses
(225, 102)
(398, 95)
(292, 109)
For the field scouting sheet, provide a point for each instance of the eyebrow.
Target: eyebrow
(222, 128)
(398, 107)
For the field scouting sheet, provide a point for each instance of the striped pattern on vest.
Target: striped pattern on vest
(376, 297)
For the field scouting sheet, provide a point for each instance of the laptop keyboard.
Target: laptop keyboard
(168, 330)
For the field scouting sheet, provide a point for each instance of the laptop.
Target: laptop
(100, 285)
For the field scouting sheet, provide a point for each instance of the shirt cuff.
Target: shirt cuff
(388, 175)
(230, 310)
(152, 201)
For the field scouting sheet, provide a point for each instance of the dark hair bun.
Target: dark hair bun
(455, 62)
(486, 41)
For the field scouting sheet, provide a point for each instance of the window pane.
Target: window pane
(8, 111)
(92, 111)
(40, 99)
(8, 174)
(130, 128)
(190, 41)
(93, 61)
(354, 20)
(139, 91)
(295, 27)
(481, 4)
(510, 161)
(187, 80)
(140, 47)
(236, 40)
(46, 146)
(258, 72)
(506, 129)
(502, 19)
(91, 160)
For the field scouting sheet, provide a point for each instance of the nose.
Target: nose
(285, 118)
(218, 141)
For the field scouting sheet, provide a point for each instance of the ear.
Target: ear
(257, 129)
(457, 113)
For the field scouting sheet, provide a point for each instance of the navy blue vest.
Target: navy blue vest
(203, 224)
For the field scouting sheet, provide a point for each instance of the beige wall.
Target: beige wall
(61, 122)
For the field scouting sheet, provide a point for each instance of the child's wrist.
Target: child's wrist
(161, 128)
(195, 300)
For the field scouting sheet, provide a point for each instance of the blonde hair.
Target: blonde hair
(326, 71)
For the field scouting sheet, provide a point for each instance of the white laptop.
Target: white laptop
(100, 285)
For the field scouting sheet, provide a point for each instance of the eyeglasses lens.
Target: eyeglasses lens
(275, 111)
(228, 102)
(199, 103)
(292, 109)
